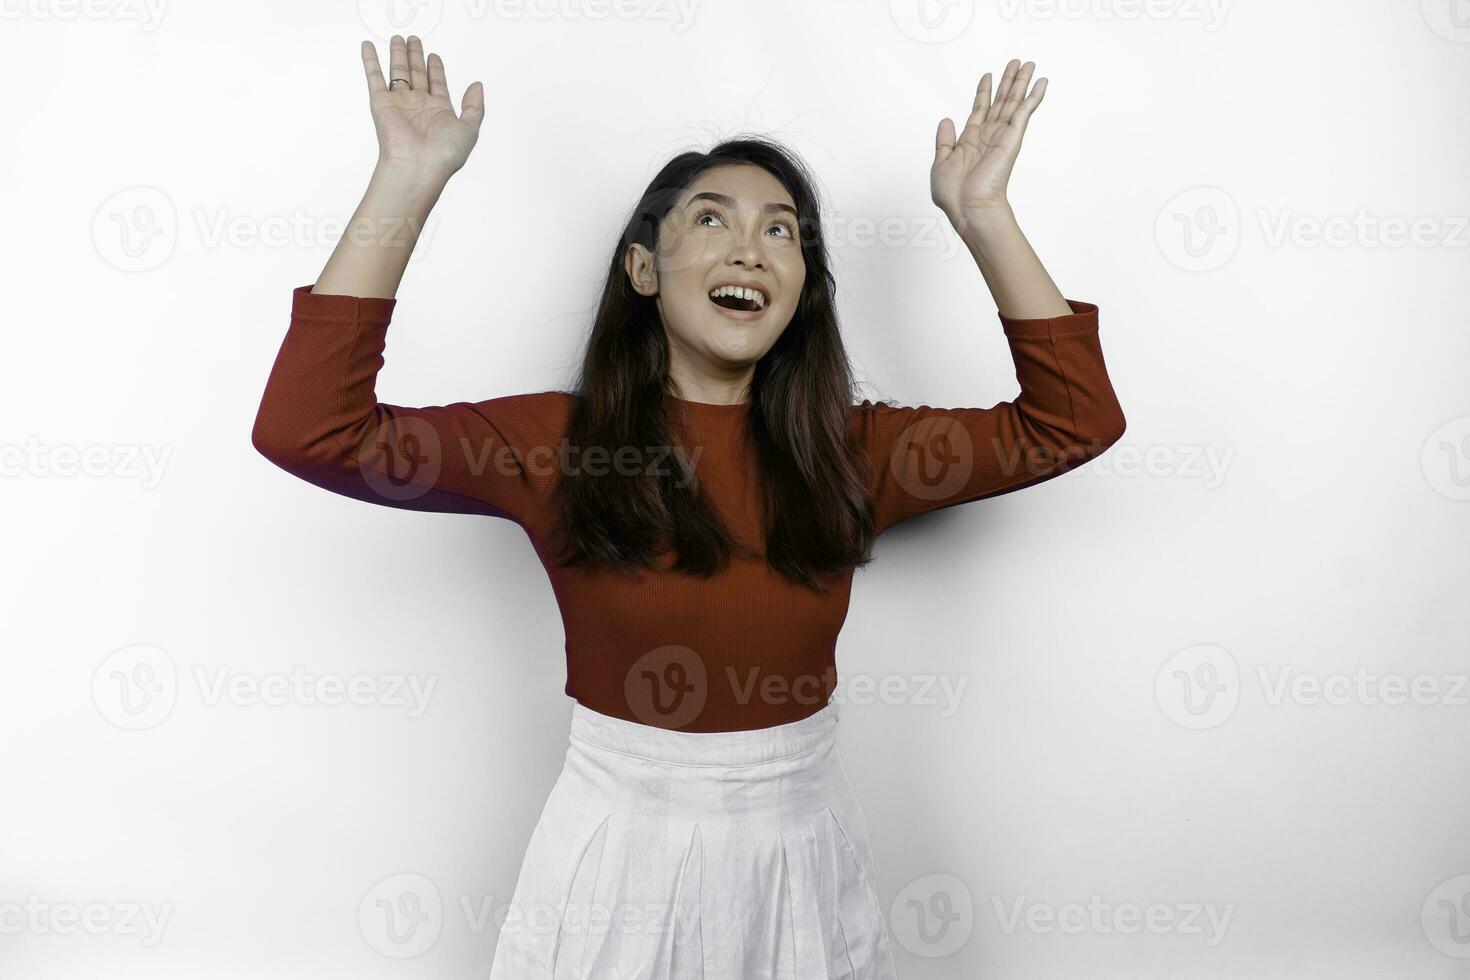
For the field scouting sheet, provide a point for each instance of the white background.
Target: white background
(1174, 175)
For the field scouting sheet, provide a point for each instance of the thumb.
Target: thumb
(944, 140)
(472, 106)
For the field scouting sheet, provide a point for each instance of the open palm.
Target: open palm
(416, 123)
(971, 173)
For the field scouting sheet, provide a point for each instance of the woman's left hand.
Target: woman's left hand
(969, 176)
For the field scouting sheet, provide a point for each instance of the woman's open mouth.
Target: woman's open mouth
(738, 303)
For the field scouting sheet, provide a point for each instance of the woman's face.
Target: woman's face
(734, 224)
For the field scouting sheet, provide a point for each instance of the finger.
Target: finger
(1017, 92)
(397, 60)
(417, 76)
(982, 95)
(944, 140)
(438, 85)
(371, 68)
(1024, 110)
(1003, 90)
(472, 106)
(978, 111)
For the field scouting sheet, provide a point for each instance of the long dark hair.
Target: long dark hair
(817, 514)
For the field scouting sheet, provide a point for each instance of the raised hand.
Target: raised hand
(416, 123)
(970, 174)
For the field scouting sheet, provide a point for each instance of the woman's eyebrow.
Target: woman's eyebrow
(729, 202)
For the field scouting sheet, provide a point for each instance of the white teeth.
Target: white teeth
(751, 294)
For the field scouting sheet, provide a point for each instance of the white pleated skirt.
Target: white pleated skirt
(667, 855)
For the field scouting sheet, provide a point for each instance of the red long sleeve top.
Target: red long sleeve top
(745, 648)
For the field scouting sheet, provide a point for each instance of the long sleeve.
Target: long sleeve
(927, 458)
(320, 420)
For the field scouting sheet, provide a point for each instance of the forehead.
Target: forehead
(749, 185)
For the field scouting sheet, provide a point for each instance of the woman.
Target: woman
(700, 502)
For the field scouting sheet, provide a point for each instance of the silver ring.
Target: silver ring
(396, 81)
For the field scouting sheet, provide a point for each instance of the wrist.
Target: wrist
(981, 226)
(982, 216)
(409, 178)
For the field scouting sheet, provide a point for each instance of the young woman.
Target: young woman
(700, 502)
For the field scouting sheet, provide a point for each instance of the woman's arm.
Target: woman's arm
(1067, 413)
(319, 418)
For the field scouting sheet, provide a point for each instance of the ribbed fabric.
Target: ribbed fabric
(745, 648)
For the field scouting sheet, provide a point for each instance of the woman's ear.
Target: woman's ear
(639, 263)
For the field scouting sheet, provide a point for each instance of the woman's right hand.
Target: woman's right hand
(418, 130)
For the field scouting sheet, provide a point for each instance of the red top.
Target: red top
(745, 648)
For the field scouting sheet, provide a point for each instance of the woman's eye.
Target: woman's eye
(701, 215)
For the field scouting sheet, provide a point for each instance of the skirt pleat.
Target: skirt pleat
(719, 856)
(684, 953)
